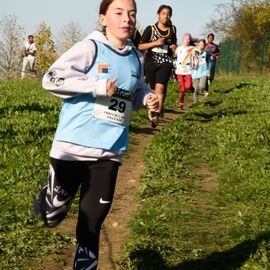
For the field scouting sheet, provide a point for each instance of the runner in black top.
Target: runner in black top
(136, 37)
(159, 40)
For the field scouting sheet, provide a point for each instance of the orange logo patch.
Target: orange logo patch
(103, 68)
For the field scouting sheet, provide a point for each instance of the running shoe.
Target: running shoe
(181, 108)
(39, 201)
(149, 115)
(154, 119)
(85, 259)
(52, 203)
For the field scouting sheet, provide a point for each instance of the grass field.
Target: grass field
(28, 121)
(204, 198)
(29, 116)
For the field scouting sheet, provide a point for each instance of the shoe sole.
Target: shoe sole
(37, 205)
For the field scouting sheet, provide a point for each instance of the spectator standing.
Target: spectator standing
(29, 56)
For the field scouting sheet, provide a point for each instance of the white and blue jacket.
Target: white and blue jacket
(92, 125)
(204, 65)
(79, 124)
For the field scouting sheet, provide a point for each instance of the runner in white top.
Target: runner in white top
(186, 61)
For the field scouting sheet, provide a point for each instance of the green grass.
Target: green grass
(29, 117)
(28, 120)
(204, 198)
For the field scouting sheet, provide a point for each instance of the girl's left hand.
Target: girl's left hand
(110, 87)
(173, 47)
(152, 102)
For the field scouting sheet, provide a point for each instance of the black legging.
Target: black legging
(96, 180)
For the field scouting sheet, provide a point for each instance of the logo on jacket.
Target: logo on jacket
(103, 68)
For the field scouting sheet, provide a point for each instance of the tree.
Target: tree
(245, 22)
(11, 42)
(71, 34)
(243, 19)
(46, 53)
(221, 22)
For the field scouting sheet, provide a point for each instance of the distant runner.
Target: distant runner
(187, 60)
(159, 40)
(200, 75)
(214, 51)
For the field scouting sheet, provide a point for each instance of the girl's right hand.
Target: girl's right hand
(152, 102)
(160, 41)
(110, 87)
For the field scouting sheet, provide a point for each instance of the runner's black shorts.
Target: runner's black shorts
(157, 73)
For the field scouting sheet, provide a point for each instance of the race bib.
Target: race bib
(117, 108)
(183, 69)
(161, 49)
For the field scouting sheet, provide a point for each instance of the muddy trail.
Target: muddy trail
(114, 230)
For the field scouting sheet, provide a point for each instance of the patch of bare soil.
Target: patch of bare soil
(209, 178)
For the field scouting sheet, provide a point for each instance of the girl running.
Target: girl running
(200, 76)
(160, 42)
(100, 81)
(213, 49)
(185, 62)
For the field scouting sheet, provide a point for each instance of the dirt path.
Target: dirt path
(114, 230)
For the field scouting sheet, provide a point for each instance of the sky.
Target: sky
(187, 16)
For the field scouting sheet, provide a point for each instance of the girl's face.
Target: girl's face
(164, 16)
(186, 40)
(201, 46)
(210, 39)
(119, 21)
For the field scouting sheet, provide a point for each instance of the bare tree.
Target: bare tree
(222, 22)
(11, 40)
(71, 34)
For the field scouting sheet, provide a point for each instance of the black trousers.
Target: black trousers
(96, 181)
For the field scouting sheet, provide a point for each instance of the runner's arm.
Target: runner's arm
(217, 52)
(67, 76)
(174, 41)
(196, 59)
(142, 90)
(146, 42)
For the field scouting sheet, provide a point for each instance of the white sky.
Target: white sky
(188, 16)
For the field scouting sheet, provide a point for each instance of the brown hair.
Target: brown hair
(164, 7)
(211, 35)
(202, 40)
(104, 5)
